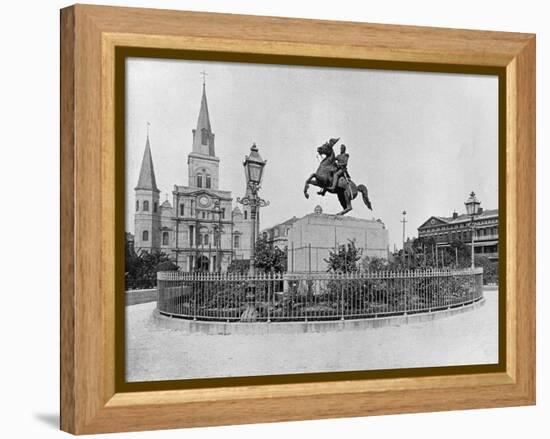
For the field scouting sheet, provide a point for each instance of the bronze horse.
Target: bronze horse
(346, 190)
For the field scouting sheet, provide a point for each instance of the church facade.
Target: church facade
(200, 229)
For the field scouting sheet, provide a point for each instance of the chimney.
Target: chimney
(455, 215)
(480, 211)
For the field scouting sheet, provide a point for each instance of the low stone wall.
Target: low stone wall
(222, 328)
(135, 297)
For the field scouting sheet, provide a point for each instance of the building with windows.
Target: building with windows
(458, 227)
(278, 234)
(310, 239)
(200, 229)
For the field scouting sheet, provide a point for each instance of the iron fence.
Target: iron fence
(315, 296)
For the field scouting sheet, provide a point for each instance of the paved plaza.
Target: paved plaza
(155, 353)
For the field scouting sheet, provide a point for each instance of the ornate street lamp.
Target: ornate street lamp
(253, 170)
(472, 208)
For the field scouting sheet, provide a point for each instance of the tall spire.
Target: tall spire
(147, 178)
(204, 117)
(203, 137)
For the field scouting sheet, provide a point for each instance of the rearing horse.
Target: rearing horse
(346, 190)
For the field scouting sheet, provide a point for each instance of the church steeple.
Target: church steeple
(203, 137)
(147, 216)
(147, 178)
(202, 163)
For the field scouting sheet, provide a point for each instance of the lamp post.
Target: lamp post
(253, 170)
(472, 208)
(404, 222)
(218, 234)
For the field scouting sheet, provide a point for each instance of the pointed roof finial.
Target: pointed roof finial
(148, 125)
(204, 75)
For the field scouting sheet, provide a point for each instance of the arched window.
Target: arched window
(236, 241)
(182, 209)
(208, 182)
(137, 205)
(204, 136)
(164, 238)
(206, 236)
(155, 207)
(145, 235)
(199, 180)
(245, 214)
(146, 206)
(191, 236)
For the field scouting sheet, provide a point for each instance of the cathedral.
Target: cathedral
(200, 230)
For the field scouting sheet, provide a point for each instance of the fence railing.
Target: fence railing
(315, 296)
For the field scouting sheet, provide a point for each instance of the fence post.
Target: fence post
(407, 287)
(269, 289)
(195, 283)
(292, 254)
(158, 292)
(342, 296)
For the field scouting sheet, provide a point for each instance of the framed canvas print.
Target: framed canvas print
(271, 219)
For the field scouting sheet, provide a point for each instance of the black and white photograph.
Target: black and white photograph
(287, 219)
(275, 219)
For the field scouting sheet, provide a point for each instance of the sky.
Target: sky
(420, 142)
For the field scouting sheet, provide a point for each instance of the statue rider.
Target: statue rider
(341, 167)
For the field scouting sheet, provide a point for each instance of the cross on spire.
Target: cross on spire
(204, 75)
(148, 125)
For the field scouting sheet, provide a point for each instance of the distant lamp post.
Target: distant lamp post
(253, 170)
(404, 221)
(218, 234)
(472, 209)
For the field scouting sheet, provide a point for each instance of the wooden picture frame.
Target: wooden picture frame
(91, 399)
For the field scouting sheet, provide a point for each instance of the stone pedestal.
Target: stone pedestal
(312, 237)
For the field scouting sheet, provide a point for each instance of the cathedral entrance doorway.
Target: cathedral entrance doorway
(203, 264)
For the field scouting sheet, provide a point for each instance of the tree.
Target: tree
(490, 268)
(167, 266)
(131, 259)
(240, 266)
(460, 254)
(375, 263)
(269, 258)
(344, 259)
(141, 270)
(424, 253)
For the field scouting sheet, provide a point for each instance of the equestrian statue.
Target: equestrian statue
(332, 176)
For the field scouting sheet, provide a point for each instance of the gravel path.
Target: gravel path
(166, 354)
